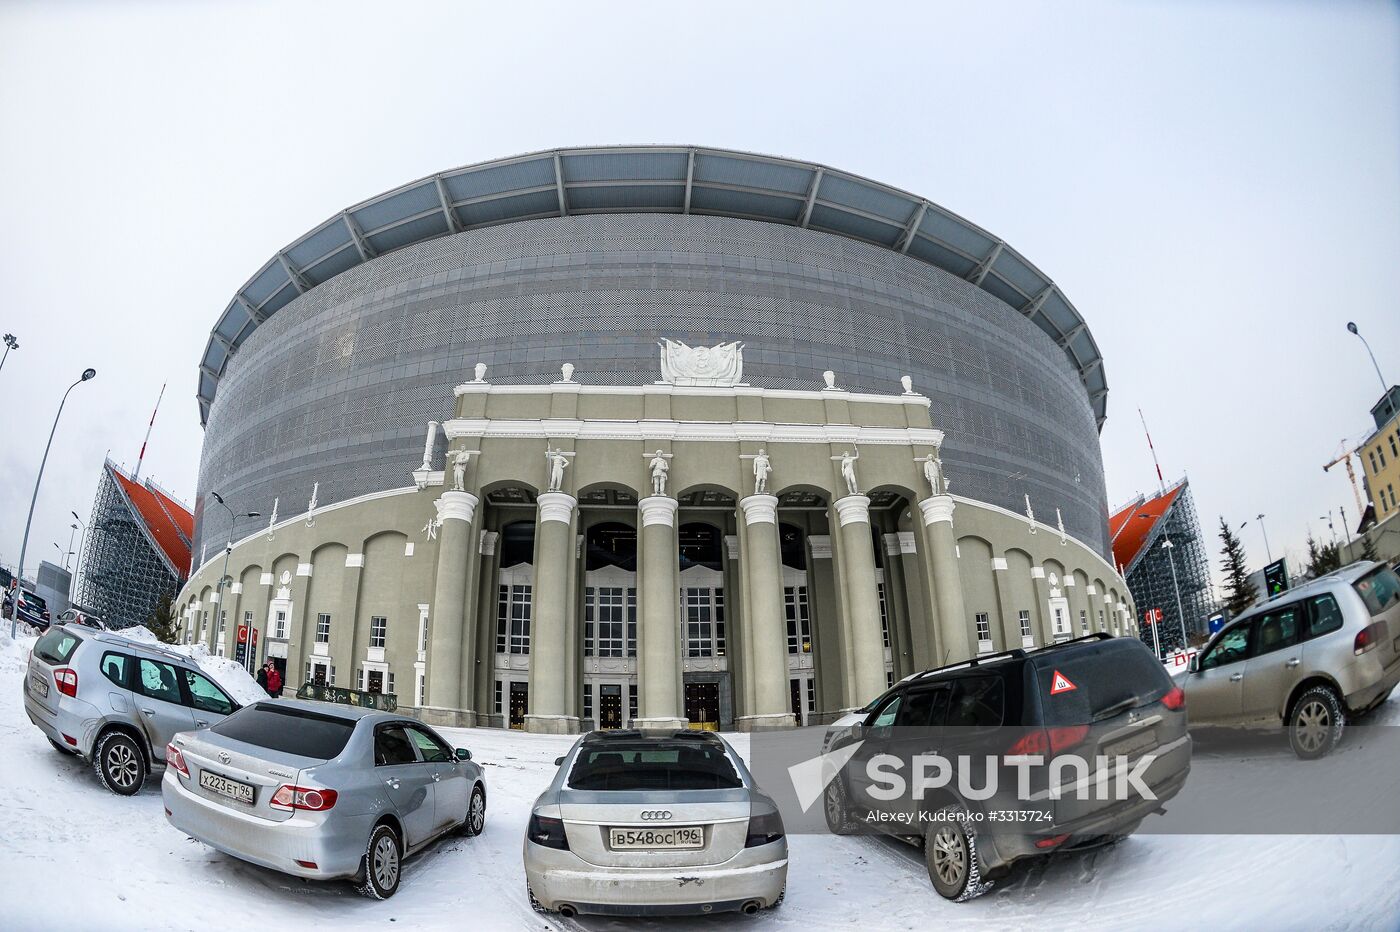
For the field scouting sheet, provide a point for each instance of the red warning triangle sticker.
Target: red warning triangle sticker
(1060, 684)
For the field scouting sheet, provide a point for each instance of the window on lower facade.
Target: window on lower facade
(1024, 617)
(631, 701)
(1102, 627)
(889, 678)
(1061, 622)
(984, 627)
(812, 694)
(418, 688)
(513, 620)
(496, 704)
(1083, 621)
(606, 620)
(799, 623)
(884, 613)
(702, 610)
(378, 629)
(279, 625)
(588, 702)
(323, 628)
(223, 621)
(422, 632)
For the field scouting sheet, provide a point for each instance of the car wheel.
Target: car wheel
(60, 748)
(1316, 722)
(950, 853)
(476, 814)
(120, 765)
(382, 865)
(836, 806)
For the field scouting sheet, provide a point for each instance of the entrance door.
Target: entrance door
(519, 703)
(702, 705)
(609, 706)
(374, 681)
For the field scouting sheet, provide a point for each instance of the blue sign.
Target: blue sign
(1216, 622)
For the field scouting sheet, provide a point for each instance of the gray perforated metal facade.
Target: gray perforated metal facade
(337, 386)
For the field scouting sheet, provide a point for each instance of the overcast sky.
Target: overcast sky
(1216, 186)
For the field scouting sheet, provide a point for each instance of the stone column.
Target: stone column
(857, 558)
(767, 661)
(659, 702)
(549, 622)
(443, 703)
(955, 643)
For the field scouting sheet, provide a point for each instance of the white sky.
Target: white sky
(1216, 186)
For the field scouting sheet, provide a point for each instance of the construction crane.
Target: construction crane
(1345, 458)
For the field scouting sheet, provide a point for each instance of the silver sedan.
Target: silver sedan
(657, 824)
(320, 790)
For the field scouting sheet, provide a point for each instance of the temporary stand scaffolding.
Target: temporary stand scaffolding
(1173, 579)
(138, 550)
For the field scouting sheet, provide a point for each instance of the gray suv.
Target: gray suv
(1308, 658)
(115, 701)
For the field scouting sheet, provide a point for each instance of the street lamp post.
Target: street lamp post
(24, 545)
(1262, 530)
(1180, 616)
(78, 557)
(1385, 386)
(10, 343)
(228, 549)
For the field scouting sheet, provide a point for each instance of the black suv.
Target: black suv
(1043, 750)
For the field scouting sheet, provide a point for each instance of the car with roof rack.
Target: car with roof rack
(1003, 724)
(116, 701)
(1308, 658)
(654, 823)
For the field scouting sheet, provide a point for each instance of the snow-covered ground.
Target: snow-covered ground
(73, 856)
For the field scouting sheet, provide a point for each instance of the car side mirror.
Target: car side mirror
(1193, 665)
(558, 761)
(463, 754)
(858, 730)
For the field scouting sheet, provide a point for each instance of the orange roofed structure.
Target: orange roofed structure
(1174, 579)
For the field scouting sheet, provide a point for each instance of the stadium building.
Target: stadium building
(594, 437)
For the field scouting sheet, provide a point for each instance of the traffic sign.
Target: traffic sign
(1060, 684)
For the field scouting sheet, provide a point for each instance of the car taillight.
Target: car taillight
(173, 758)
(547, 832)
(1048, 739)
(66, 679)
(303, 797)
(1175, 698)
(1050, 842)
(1367, 638)
(764, 828)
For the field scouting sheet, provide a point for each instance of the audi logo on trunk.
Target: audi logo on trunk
(655, 815)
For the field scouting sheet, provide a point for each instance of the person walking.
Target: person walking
(262, 677)
(274, 680)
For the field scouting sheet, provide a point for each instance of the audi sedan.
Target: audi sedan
(322, 791)
(654, 824)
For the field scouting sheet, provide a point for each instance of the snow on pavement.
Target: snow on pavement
(126, 868)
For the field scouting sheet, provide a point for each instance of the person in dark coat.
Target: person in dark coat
(262, 678)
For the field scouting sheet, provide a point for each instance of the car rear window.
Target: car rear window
(653, 765)
(1093, 682)
(56, 646)
(289, 730)
(1380, 589)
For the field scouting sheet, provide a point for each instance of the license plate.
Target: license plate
(1132, 746)
(39, 685)
(243, 792)
(679, 836)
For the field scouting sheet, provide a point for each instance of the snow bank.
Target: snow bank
(14, 652)
(235, 680)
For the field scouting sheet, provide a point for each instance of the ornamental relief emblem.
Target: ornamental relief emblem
(702, 365)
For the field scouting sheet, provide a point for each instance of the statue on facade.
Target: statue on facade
(311, 506)
(933, 472)
(428, 446)
(480, 372)
(567, 371)
(1030, 515)
(459, 469)
(848, 471)
(761, 468)
(659, 470)
(272, 522)
(829, 378)
(557, 464)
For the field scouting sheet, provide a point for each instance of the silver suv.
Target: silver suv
(116, 702)
(1307, 658)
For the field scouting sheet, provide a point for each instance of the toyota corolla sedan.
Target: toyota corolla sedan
(322, 791)
(654, 824)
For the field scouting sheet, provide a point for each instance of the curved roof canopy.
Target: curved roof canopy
(653, 179)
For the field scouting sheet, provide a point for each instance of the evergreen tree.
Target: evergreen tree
(1240, 593)
(1322, 558)
(1368, 548)
(162, 620)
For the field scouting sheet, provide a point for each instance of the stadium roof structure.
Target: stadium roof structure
(1131, 527)
(653, 179)
(168, 524)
